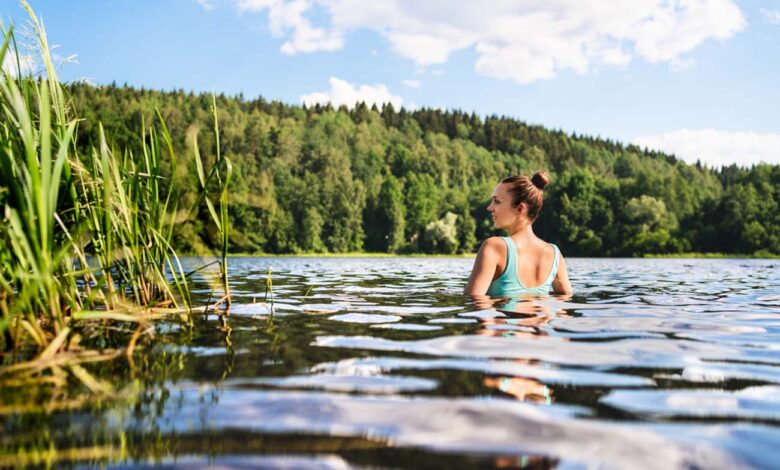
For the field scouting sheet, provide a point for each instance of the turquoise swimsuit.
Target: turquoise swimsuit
(508, 284)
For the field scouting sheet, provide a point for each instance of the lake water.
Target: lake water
(382, 362)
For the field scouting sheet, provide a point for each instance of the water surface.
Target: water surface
(381, 362)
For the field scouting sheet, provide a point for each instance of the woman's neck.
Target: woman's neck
(523, 230)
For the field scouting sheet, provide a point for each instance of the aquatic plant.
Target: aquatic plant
(218, 178)
(86, 236)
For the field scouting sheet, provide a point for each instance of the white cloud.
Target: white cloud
(286, 19)
(520, 41)
(27, 63)
(344, 93)
(770, 16)
(715, 147)
(411, 83)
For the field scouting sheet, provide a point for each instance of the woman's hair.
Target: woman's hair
(528, 190)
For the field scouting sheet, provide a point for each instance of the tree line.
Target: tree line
(377, 179)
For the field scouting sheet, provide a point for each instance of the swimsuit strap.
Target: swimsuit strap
(511, 258)
(554, 269)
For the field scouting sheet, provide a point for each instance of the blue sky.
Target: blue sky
(698, 78)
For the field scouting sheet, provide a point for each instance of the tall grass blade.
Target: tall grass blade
(86, 235)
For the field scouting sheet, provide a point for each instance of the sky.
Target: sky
(696, 78)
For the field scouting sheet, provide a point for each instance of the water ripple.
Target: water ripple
(671, 363)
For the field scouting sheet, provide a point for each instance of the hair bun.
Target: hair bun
(540, 179)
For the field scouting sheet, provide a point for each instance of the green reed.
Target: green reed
(217, 180)
(84, 237)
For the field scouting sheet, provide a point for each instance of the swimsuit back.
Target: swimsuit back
(508, 284)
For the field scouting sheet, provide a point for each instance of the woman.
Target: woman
(521, 263)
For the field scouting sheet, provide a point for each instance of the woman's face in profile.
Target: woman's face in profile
(500, 207)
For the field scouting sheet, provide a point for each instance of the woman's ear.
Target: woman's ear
(521, 208)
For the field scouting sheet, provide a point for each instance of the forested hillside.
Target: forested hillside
(382, 180)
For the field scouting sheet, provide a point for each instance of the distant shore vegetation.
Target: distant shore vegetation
(369, 179)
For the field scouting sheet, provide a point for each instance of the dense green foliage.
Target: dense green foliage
(367, 179)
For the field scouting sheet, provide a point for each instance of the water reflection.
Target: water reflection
(524, 389)
(371, 362)
(523, 318)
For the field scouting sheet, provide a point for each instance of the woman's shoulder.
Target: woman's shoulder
(495, 241)
(495, 246)
(550, 248)
(556, 251)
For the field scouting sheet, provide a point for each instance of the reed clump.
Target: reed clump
(85, 238)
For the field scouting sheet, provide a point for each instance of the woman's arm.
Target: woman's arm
(485, 266)
(561, 284)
